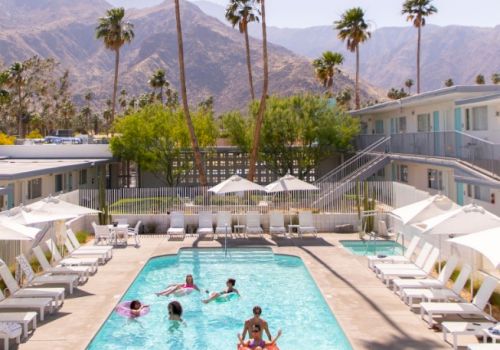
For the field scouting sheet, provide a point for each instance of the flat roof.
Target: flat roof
(408, 101)
(14, 169)
(466, 101)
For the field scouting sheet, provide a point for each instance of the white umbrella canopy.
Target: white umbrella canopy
(236, 184)
(289, 183)
(485, 242)
(424, 209)
(12, 231)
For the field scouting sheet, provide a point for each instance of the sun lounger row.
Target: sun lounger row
(412, 282)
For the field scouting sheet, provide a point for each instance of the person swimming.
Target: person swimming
(256, 342)
(230, 283)
(178, 286)
(175, 311)
(136, 307)
(256, 320)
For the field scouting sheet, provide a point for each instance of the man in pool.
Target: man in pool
(229, 289)
(176, 287)
(256, 320)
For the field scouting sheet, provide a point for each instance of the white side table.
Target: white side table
(293, 229)
(240, 229)
(488, 334)
(463, 328)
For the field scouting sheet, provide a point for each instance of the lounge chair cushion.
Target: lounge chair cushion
(10, 329)
(175, 231)
(205, 231)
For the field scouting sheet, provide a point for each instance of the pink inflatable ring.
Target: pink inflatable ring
(123, 309)
(183, 291)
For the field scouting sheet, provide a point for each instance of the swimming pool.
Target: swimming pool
(280, 284)
(379, 247)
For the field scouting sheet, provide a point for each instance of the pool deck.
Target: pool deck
(371, 316)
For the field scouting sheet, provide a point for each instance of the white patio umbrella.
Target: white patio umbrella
(424, 209)
(289, 183)
(235, 184)
(12, 231)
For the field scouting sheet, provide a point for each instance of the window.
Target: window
(401, 125)
(435, 179)
(379, 127)
(424, 122)
(469, 190)
(403, 173)
(83, 177)
(59, 183)
(476, 119)
(35, 188)
(482, 193)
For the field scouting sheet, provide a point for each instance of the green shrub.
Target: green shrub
(82, 236)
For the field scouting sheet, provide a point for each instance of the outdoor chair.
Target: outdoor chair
(276, 223)
(134, 232)
(224, 222)
(78, 248)
(419, 262)
(83, 272)
(102, 234)
(306, 224)
(177, 225)
(385, 232)
(39, 304)
(253, 224)
(122, 221)
(91, 258)
(73, 260)
(205, 225)
(25, 319)
(10, 330)
(395, 259)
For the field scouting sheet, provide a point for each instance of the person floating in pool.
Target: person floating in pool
(256, 342)
(136, 308)
(256, 320)
(178, 286)
(229, 289)
(175, 311)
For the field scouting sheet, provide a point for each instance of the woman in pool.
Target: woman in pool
(229, 289)
(189, 284)
(175, 311)
(256, 343)
(136, 308)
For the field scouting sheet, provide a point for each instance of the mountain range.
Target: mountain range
(214, 52)
(389, 57)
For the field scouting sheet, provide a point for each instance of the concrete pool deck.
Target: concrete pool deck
(371, 316)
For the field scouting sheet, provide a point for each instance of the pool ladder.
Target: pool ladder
(373, 238)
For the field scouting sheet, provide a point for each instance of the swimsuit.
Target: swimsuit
(253, 344)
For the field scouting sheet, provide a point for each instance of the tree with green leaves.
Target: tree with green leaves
(343, 98)
(449, 82)
(326, 66)
(115, 32)
(240, 13)
(495, 78)
(409, 83)
(416, 12)
(395, 94)
(16, 79)
(298, 132)
(158, 81)
(254, 153)
(182, 77)
(157, 139)
(480, 79)
(353, 29)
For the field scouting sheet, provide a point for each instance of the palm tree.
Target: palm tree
(16, 80)
(495, 78)
(325, 67)
(449, 82)
(416, 11)
(87, 110)
(182, 76)
(114, 32)
(262, 107)
(409, 83)
(241, 13)
(354, 30)
(480, 79)
(158, 81)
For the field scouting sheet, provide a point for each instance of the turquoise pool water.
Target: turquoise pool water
(280, 284)
(373, 247)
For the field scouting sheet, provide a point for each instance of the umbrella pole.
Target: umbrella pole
(472, 276)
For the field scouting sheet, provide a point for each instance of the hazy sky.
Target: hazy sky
(381, 13)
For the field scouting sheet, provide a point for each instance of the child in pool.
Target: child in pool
(136, 308)
(229, 289)
(257, 343)
(176, 287)
(175, 311)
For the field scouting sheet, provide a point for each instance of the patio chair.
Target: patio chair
(476, 308)
(385, 232)
(91, 258)
(253, 224)
(39, 304)
(102, 233)
(276, 223)
(108, 249)
(122, 221)
(134, 232)
(10, 330)
(121, 235)
(224, 223)
(306, 224)
(177, 225)
(22, 318)
(205, 225)
(15, 291)
(439, 294)
(70, 281)
(83, 272)
(72, 260)
(400, 284)
(418, 264)
(395, 259)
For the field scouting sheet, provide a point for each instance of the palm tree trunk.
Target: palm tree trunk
(249, 62)
(115, 86)
(161, 95)
(418, 59)
(262, 108)
(194, 141)
(357, 78)
(20, 125)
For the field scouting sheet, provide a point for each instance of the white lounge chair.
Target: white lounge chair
(83, 272)
(10, 330)
(224, 223)
(440, 282)
(418, 264)
(276, 223)
(483, 347)
(22, 318)
(477, 306)
(442, 294)
(395, 259)
(102, 233)
(385, 232)
(388, 275)
(177, 225)
(306, 224)
(108, 249)
(253, 224)
(91, 258)
(32, 280)
(15, 291)
(134, 232)
(39, 304)
(73, 260)
(205, 225)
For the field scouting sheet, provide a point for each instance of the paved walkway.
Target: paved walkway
(371, 315)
